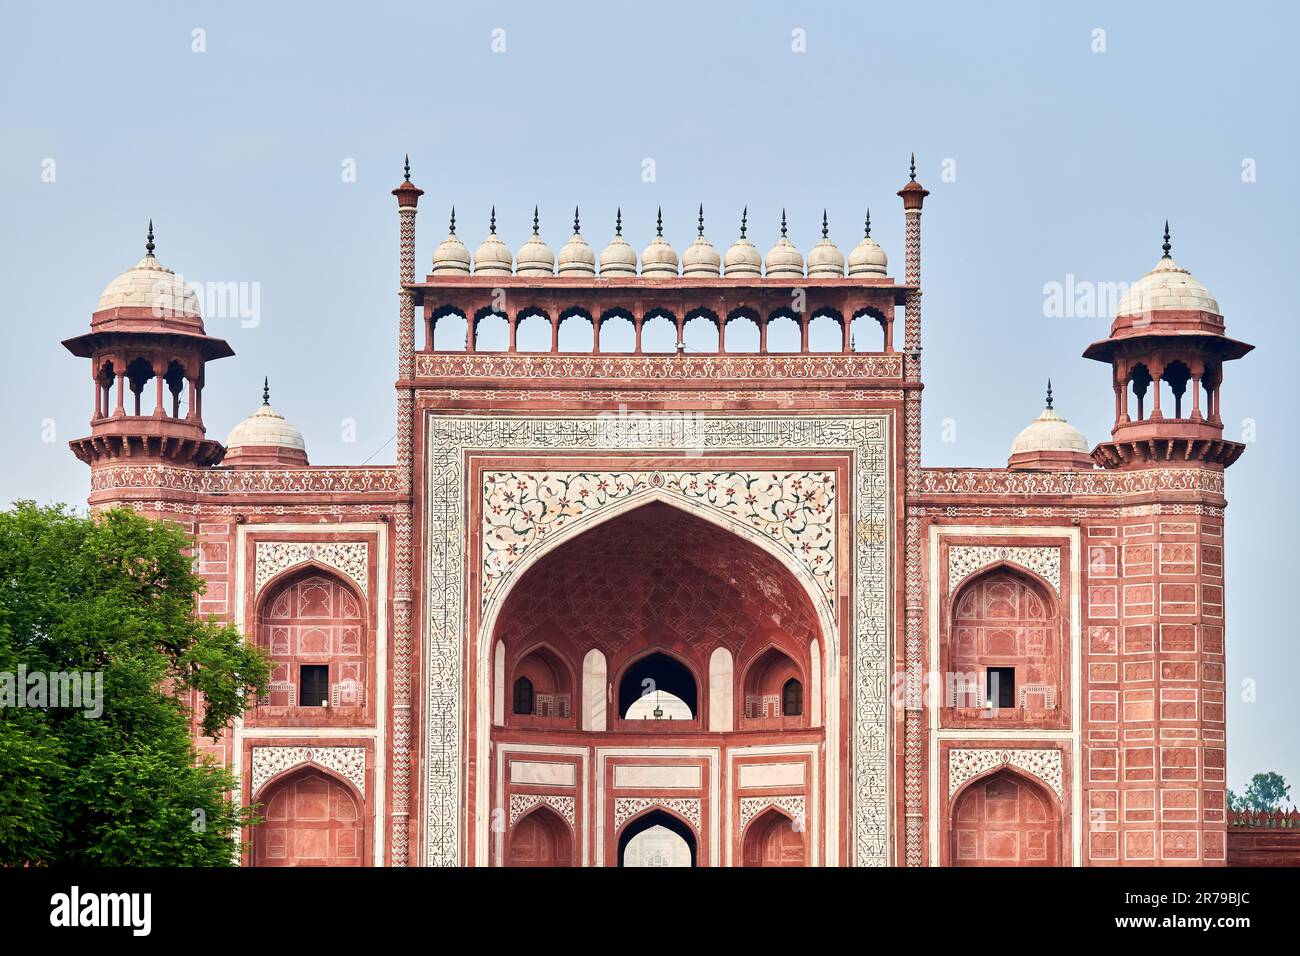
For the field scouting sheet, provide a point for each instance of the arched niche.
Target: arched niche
(539, 688)
(540, 838)
(1004, 818)
(309, 818)
(775, 839)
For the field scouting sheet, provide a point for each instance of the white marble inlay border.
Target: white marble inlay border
(348, 762)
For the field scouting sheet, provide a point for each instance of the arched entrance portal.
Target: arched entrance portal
(656, 839)
(540, 838)
(773, 839)
(309, 819)
(1005, 820)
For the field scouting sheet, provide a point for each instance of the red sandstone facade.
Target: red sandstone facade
(851, 659)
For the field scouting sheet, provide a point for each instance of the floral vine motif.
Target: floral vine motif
(963, 561)
(521, 803)
(627, 807)
(348, 762)
(796, 510)
(348, 557)
(942, 481)
(639, 368)
(1044, 763)
(751, 807)
(248, 481)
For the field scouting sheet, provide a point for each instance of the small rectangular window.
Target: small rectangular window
(314, 685)
(1001, 686)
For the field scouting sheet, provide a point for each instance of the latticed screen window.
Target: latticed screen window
(314, 685)
(523, 696)
(792, 698)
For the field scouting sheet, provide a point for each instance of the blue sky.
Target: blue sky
(1067, 161)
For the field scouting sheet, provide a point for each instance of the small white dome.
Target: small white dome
(1049, 432)
(619, 258)
(783, 259)
(867, 258)
(451, 257)
(743, 258)
(534, 257)
(149, 285)
(1166, 288)
(700, 258)
(576, 257)
(659, 258)
(263, 430)
(825, 259)
(493, 257)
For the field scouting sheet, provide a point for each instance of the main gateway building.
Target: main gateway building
(618, 606)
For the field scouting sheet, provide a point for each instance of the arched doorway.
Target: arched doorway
(540, 838)
(657, 687)
(656, 839)
(309, 819)
(1005, 820)
(774, 839)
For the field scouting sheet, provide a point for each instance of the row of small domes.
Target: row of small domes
(576, 258)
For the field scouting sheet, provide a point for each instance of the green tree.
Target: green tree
(113, 595)
(1266, 791)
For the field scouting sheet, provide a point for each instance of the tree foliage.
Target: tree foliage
(114, 595)
(1266, 791)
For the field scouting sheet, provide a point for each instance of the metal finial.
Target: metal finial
(492, 223)
(453, 220)
(407, 168)
(866, 234)
(1049, 393)
(701, 219)
(1167, 246)
(659, 223)
(618, 222)
(913, 173)
(266, 391)
(782, 223)
(148, 243)
(825, 225)
(744, 218)
(535, 221)
(576, 228)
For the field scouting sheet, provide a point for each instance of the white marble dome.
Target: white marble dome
(659, 258)
(493, 257)
(265, 428)
(451, 257)
(150, 285)
(576, 257)
(825, 259)
(743, 258)
(867, 258)
(700, 258)
(1166, 288)
(783, 260)
(1049, 432)
(534, 257)
(618, 258)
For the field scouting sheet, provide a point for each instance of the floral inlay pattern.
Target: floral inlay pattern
(521, 803)
(348, 762)
(963, 561)
(751, 807)
(796, 510)
(350, 558)
(1045, 764)
(688, 808)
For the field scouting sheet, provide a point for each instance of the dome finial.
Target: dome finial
(266, 391)
(825, 226)
(659, 226)
(1166, 246)
(492, 223)
(744, 218)
(576, 228)
(453, 221)
(912, 175)
(701, 229)
(618, 222)
(407, 168)
(1049, 393)
(535, 221)
(782, 223)
(866, 234)
(148, 244)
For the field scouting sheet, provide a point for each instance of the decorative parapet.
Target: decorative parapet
(507, 367)
(248, 481)
(943, 481)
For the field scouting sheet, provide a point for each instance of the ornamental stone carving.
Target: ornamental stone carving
(688, 808)
(963, 561)
(751, 807)
(348, 762)
(1043, 763)
(521, 803)
(350, 558)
